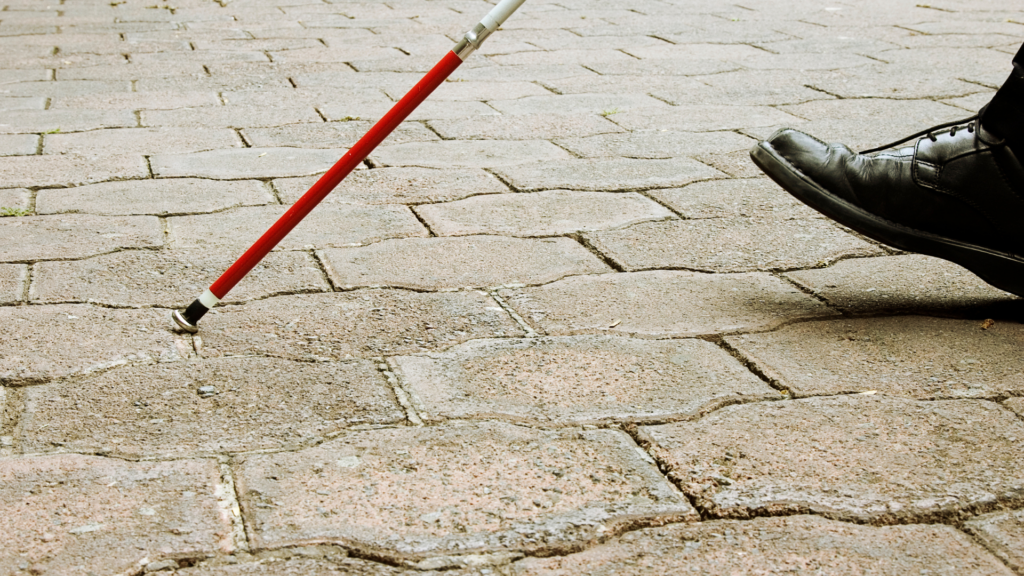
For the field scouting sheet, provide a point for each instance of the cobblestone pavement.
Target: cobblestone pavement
(557, 324)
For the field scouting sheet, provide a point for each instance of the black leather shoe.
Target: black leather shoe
(957, 193)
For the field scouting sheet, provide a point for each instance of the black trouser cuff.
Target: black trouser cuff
(1004, 115)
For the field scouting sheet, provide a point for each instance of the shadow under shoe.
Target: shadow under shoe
(957, 194)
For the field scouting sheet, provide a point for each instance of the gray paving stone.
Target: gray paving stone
(65, 88)
(409, 185)
(167, 100)
(868, 459)
(1003, 534)
(524, 127)
(531, 72)
(373, 98)
(621, 174)
(72, 513)
(360, 323)
(577, 379)
(140, 141)
(549, 213)
(429, 110)
(156, 197)
(155, 410)
(169, 278)
(909, 282)
(474, 153)
(776, 546)
(246, 163)
(469, 91)
(12, 76)
(426, 491)
(911, 356)
(18, 144)
(334, 225)
(921, 112)
(8, 104)
(581, 103)
(331, 135)
(229, 116)
(18, 198)
(331, 564)
(41, 343)
(703, 118)
(729, 245)
(74, 236)
(736, 164)
(648, 304)
(656, 144)
(747, 198)
(217, 83)
(736, 52)
(891, 81)
(664, 67)
(36, 121)
(568, 56)
(464, 262)
(70, 169)
(12, 283)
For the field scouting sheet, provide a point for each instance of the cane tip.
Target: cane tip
(182, 323)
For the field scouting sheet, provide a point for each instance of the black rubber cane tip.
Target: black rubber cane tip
(188, 320)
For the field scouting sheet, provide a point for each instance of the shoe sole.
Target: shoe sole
(1004, 271)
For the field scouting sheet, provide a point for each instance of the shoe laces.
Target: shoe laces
(953, 127)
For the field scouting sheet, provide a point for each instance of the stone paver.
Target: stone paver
(1003, 534)
(656, 144)
(361, 323)
(729, 245)
(791, 544)
(245, 163)
(169, 278)
(15, 198)
(909, 282)
(159, 409)
(41, 343)
(156, 197)
(332, 563)
(706, 118)
(525, 127)
(577, 379)
(75, 514)
(747, 198)
(606, 174)
(473, 153)
(229, 116)
(871, 459)
(69, 169)
(12, 282)
(335, 225)
(18, 144)
(74, 236)
(461, 488)
(549, 213)
(402, 185)
(36, 121)
(330, 135)
(464, 262)
(1015, 404)
(649, 304)
(910, 356)
(140, 141)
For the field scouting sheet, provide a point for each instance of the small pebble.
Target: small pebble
(207, 391)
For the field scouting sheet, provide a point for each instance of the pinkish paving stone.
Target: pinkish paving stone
(793, 544)
(549, 213)
(578, 379)
(236, 164)
(69, 169)
(1003, 534)
(484, 91)
(656, 144)
(156, 197)
(469, 153)
(604, 104)
(1015, 404)
(663, 304)
(332, 563)
(41, 343)
(429, 110)
(331, 134)
(170, 278)
(170, 409)
(464, 262)
(729, 245)
(75, 236)
(421, 492)
(525, 127)
(166, 100)
(398, 186)
(909, 356)
(866, 459)
(744, 198)
(910, 282)
(229, 116)
(616, 175)
(360, 323)
(15, 198)
(12, 282)
(334, 225)
(72, 514)
(141, 141)
(706, 118)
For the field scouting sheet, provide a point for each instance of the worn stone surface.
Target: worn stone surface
(909, 282)
(148, 410)
(170, 278)
(18, 144)
(473, 154)
(245, 163)
(1016, 404)
(546, 213)
(704, 118)
(45, 342)
(656, 144)
(74, 236)
(612, 175)
(331, 135)
(37, 121)
(403, 185)
(156, 197)
(69, 169)
(776, 546)
(525, 126)
(872, 459)
(651, 304)
(911, 356)
(76, 514)
(12, 282)
(140, 141)
(464, 262)
(456, 488)
(336, 225)
(577, 379)
(335, 564)
(745, 198)
(15, 198)
(229, 116)
(361, 323)
(1003, 534)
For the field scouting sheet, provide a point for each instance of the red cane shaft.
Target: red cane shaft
(335, 175)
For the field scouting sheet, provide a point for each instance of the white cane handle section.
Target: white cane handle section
(500, 13)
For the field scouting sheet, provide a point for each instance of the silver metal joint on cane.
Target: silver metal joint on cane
(471, 41)
(182, 323)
